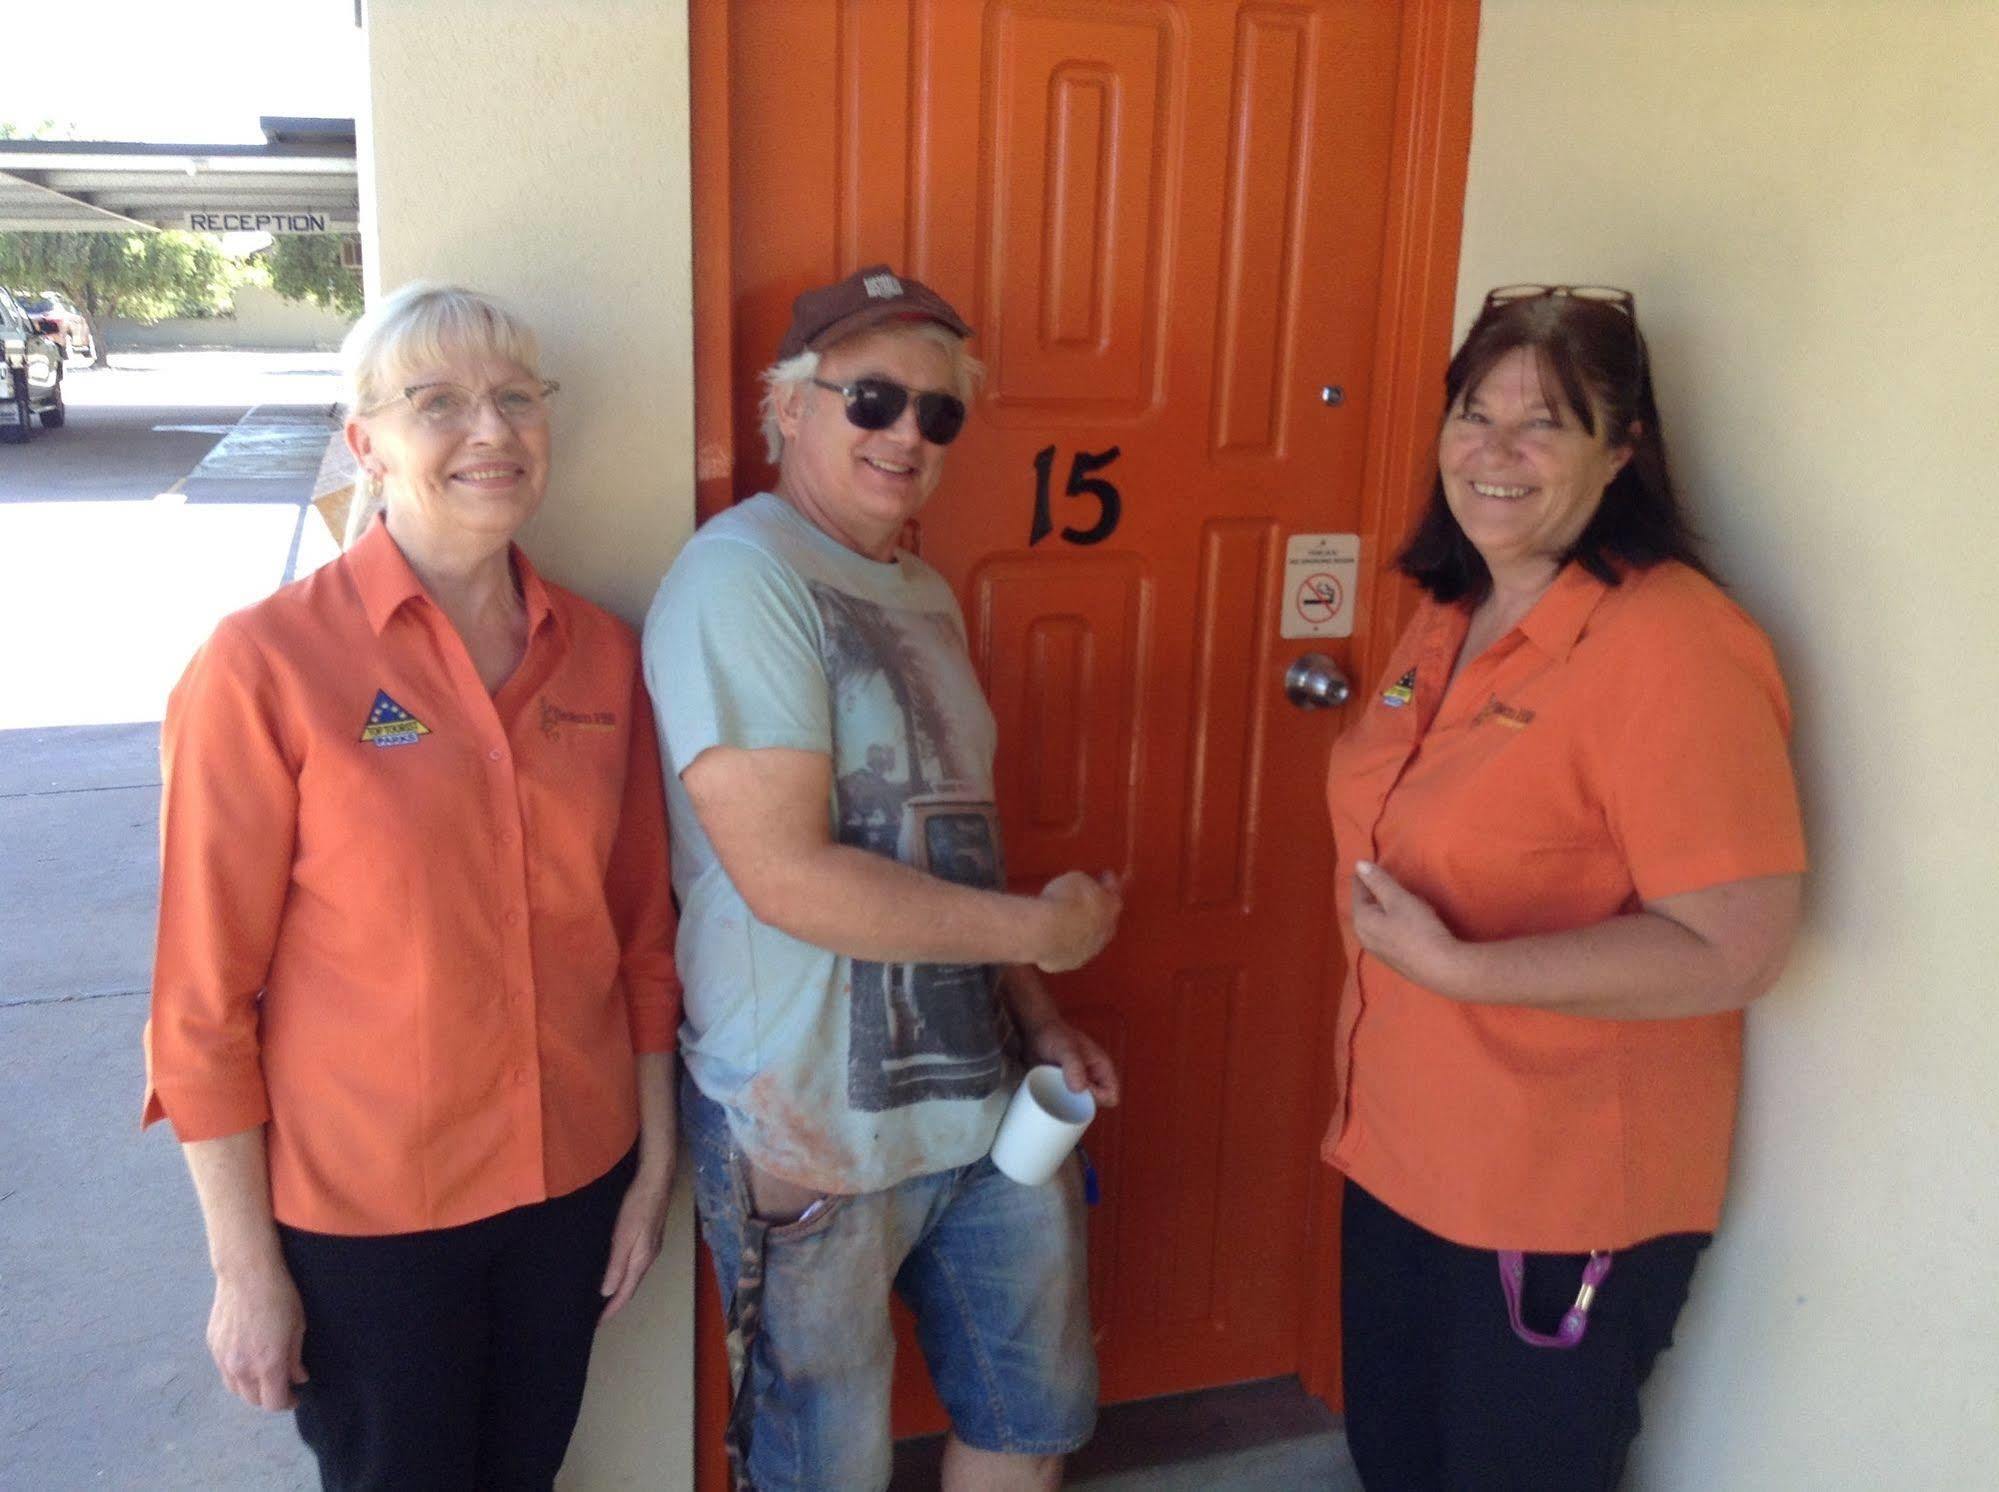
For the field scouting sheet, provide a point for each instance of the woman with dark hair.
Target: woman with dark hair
(1570, 855)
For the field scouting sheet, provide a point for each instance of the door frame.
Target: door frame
(1429, 153)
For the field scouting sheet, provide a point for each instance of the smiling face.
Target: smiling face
(861, 486)
(1521, 474)
(475, 481)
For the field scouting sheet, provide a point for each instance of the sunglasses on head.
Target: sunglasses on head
(1603, 295)
(877, 403)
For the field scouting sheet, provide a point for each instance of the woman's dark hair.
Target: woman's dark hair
(1592, 352)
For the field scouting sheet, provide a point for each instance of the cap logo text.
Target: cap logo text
(882, 287)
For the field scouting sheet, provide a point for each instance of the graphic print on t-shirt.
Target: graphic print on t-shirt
(915, 1031)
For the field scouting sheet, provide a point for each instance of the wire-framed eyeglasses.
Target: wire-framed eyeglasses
(452, 406)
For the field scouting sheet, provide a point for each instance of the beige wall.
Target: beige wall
(1805, 197)
(261, 318)
(540, 152)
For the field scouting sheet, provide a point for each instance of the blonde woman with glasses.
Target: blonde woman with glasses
(414, 990)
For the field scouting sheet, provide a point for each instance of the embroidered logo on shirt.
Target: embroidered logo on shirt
(1506, 715)
(389, 724)
(554, 718)
(1401, 691)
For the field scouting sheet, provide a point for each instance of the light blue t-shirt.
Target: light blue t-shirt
(838, 1074)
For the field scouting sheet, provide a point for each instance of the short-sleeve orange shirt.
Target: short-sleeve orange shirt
(1622, 744)
(416, 930)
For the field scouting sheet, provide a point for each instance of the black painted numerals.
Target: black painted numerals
(1110, 506)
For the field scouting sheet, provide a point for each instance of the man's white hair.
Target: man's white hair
(783, 379)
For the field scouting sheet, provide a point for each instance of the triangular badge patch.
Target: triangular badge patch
(389, 724)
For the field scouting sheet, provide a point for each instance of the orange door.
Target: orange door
(1168, 223)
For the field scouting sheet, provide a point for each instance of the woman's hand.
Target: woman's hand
(1084, 1064)
(1698, 953)
(640, 1230)
(256, 1328)
(256, 1334)
(1404, 931)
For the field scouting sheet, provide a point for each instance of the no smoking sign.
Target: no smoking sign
(1319, 573)
(1320, 597)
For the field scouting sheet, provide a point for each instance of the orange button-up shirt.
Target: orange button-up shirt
(1622, 744)
(416, 930)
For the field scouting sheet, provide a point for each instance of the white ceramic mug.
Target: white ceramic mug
(1041, 1126)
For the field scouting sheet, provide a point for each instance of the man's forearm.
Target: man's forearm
(867, 906)
(1027, 996)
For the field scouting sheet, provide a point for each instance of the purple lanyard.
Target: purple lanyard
(1513, 1270)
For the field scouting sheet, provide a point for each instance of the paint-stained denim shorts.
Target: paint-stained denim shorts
(994, 1271)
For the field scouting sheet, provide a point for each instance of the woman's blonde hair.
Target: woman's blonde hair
(420, 325)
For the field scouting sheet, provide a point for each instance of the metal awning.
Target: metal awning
(301, 179)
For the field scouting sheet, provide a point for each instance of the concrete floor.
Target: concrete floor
(104, 1288)
(1253, 1437)
(162, 503)
(120, 543)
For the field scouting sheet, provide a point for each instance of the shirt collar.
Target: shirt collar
(381, 574)
(1555, 621)
(386, 580)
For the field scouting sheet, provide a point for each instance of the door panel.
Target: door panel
(1076, 118)
(1167, 222)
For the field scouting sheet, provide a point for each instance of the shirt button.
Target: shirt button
(513, 919)
(495, 754)
(506, 836)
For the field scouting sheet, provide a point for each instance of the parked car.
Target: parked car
(31, 359)
(72, 326)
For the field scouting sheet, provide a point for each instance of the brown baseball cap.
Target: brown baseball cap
(866, 298)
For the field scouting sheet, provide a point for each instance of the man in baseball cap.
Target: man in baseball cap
(862, 990)
(866, 298)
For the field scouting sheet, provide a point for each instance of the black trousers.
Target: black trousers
(1442, 1396)
(453, 1358)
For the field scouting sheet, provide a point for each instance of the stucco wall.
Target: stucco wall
(1802, 196)
(539, 152)
(262, 319)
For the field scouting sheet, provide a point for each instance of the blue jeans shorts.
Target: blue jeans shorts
(994, 1272)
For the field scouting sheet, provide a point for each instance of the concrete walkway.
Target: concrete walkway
(175, 492)
(104, 1285)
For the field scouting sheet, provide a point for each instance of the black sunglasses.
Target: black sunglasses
(877, 403)
(1602, 295)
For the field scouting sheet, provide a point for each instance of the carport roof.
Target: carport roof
(82, 186)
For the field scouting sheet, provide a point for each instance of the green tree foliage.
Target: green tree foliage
(139, 276)
(306, 267)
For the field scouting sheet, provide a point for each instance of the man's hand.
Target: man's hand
(1085, 915)
(1402, 930)
(1084, 1064)
(256, 1334)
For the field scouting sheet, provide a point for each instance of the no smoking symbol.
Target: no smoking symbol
(1319, 598)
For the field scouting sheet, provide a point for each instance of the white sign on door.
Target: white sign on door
(1321, 572)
